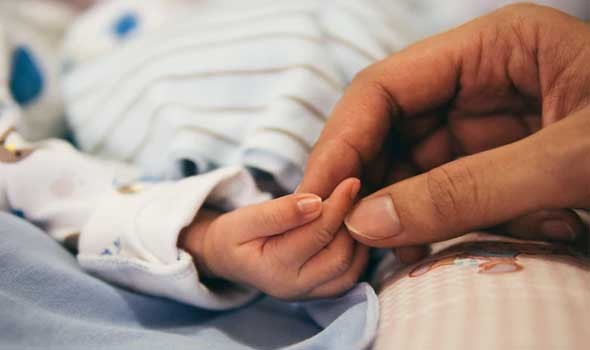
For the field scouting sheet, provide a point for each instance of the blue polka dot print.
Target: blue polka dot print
(125, 25)
(26, 79)
(18, 212)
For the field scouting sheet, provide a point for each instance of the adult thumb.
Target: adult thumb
(470, 193)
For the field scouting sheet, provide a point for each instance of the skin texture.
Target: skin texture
(280, 250)
(484, 126)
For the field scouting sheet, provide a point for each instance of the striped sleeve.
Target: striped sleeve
(219, 83)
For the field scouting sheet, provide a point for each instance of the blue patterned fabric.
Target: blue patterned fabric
(125, 25)
(48, 302)
(26, 78)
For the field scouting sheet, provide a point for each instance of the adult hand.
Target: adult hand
(457, 117)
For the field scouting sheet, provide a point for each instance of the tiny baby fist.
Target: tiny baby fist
(233, 242)
(317, 253)
(286, 247)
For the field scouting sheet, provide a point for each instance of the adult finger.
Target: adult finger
(402, 84)
(552, 225)
(411, 254)
(543, 171)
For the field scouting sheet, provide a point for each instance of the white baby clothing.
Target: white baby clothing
(219, 82)
(31, 35)
(127, 227)
(126, 223)
(226, 85)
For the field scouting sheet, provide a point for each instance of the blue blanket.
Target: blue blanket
(48, 302)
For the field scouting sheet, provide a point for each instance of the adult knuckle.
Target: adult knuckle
(454, 192)
(522, 15)
(523, 11)
(379, 89)
(371, 78)
(517, 16)
(519, 7)
(441, 193)
(363, 76)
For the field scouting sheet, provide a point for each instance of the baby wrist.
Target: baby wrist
(192, 240)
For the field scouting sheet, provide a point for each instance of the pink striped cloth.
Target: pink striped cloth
(484, 292)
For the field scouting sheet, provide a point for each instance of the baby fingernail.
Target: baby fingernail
(374, 218)
(309, 204)
(558, 230)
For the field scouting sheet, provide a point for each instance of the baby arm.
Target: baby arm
(128, 229)
(294, 247)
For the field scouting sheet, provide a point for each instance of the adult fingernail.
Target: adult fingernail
(558, 230)
(309, 204)
(374, 218)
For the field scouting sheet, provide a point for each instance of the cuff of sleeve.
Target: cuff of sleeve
(131, 239)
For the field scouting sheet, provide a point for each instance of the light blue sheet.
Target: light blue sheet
(48, 302)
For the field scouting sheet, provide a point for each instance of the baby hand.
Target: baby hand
(294, 247)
